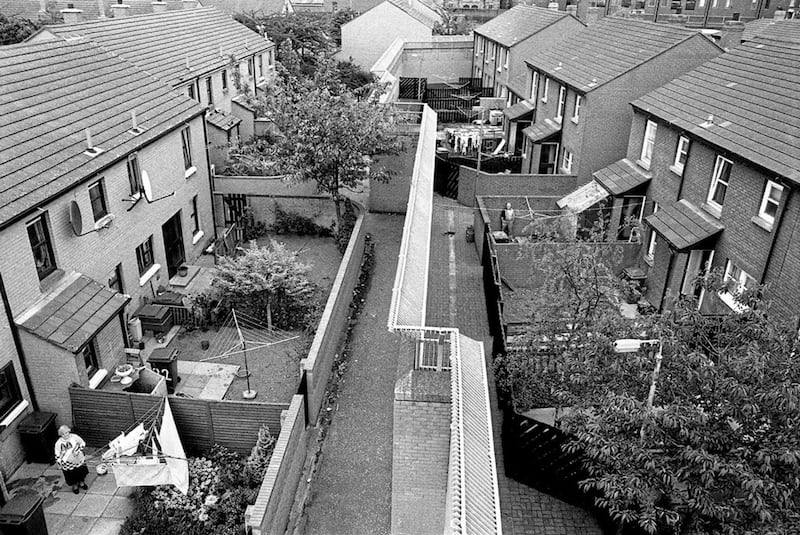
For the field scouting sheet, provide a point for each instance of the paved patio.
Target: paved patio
(101, 510)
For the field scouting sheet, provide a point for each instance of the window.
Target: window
(144, 255)
(562, 101)
(737, 281)
(97, 196)
(534, 83)
(566, 161)
(719, 182)
(647, 144)
(701, 3)
(577, 113)
(770, 202)
(134, 174)
(500, 60)
(186, 143)
(209, 91)
(505, 61)
(651, 241)
(714, 3)
(727, 4)
(41, 247)
(260, 66)
(191, 91)
(546, 88)
(9, 390)
(225, 80)
(681, 152)
(250, 67)
(194, 217)
(90, 358)
(115, 282)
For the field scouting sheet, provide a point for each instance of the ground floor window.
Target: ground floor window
(10, 394)
(90, 358)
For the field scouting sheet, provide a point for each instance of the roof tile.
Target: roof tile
(519, 23)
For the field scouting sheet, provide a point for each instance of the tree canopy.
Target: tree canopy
(15, 29)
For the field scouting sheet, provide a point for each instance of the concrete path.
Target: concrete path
(455, 287)
(352, 488)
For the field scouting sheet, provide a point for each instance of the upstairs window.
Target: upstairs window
(144, 256)
(770, 202)
(186, 143)
(41, 246)
(534, 84)
(134, 174)
(647, 144)
(546, 89)
(681, 153)
(10, 395)
(562, 102)
(577, 113)
(97, 196)
(250, 67)
(566, 162)
(225, 80)
(209, 91)
(719, 182)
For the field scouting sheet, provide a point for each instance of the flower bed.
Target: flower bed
(221, 485)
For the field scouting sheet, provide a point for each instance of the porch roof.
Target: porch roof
(222, 120)
(543, 130)
(73, 312)
(519, 110)
(583, 197)
(621, 177)
(684, 225)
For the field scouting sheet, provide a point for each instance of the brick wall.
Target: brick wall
(420, 452)
(436, 61)
(392, 196)
(510, 184)
(11, 452)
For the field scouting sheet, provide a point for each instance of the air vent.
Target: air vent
(135, 128)
(91, 150)
(709, 122)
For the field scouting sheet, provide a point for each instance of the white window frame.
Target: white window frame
(546, 89)
(648, 144)
(576, 114)
(681, 150)
(767, 200)
(740, 281)
(651, 241)
(562, 102)
(716, 180)
(507, 54)
(534, 84)
(566, 162)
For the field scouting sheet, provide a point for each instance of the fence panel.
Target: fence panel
(100, 416)
(194, 424)
(236, 424)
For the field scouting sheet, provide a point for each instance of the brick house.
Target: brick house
(583, 85)
(191, 50)
(500, 49)
(106, 191)
(717, 153)
(366, 37)
(699, 13)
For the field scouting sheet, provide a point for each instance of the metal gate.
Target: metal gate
(413, 88)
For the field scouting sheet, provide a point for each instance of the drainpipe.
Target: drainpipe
(655, 12)
(17, 343)
(210, 179)
(775, 230)
(670, 267)
(706, 12)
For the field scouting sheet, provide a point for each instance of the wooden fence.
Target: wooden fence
(99, 416)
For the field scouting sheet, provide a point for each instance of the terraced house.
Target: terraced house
(583, 86)
(105, 193)
(716, 152)
(201, 52)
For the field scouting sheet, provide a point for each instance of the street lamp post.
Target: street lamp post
(632, 345)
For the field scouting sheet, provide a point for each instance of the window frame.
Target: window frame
(564, 160)
(576, 113)
(144, 252)
(648, 144)
(91, 360)
(740, 281)
(194, 216)
(534, 85)
(224, 80)
(10, 384)
(134, 174)
(716, 180)
(681, 151)
(210, 90)
(45, 245)
(100, 188)
(562, 102)
(650, 252)
(186, 146)
(766, 200)
(546, 88)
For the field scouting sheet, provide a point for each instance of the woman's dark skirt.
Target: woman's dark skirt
(76, 475)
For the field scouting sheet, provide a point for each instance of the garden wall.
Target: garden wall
(99, 416)
(317, 365)
(392, 196)
(470, 185)
(272, 508)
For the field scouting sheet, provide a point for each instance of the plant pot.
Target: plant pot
(629, 310)
(204, 344)
(183, 271)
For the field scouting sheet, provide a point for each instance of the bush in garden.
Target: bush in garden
(292, 222)
(258, 461)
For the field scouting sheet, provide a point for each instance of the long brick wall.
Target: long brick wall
(470, 185)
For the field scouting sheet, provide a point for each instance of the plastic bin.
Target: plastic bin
(23, 515)
(165, 361)
(38, 434)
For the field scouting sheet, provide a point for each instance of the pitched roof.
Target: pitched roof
(684, 225)
(73, 312)
(782, 30)
(621, 177)
(751, 92)
(414, 13)
(519, 23)
(606, 50)
(163, 44)
(29, 9)
(52, 92)
(264, 7)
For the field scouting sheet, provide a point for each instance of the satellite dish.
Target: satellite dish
(147, 187)
(75, 218)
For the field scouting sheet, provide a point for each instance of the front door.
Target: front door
(173, 243)
(698, 265)
(547, 163)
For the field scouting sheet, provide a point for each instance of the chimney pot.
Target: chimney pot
(159, 7)
(731, 35)
(120, 10)
(189, 4)
(72, 15)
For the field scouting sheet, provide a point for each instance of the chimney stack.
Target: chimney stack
(731, 36)
(583, 11)
(779, 14)
(159, 7)
(189, 4)
(120, 10)
(72, 15)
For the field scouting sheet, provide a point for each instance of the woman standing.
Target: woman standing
(70, 458)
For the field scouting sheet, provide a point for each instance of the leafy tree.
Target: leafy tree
(352, 76)
(16, 29)
(269, 283)
(451, 23)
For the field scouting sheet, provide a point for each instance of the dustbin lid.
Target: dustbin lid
(36, 421)
(20, 507)
(163, 354)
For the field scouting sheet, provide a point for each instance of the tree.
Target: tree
(268, 283)
(15, 29)
(451, 24)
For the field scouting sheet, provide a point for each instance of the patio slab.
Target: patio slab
(54, 522)
(106, 526)
(77, 525)
(118, 507)
(92, 505)
(64, 503)
(103, 485)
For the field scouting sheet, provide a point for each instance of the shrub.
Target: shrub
(295, 223)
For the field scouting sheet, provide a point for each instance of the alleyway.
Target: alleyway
(352, 489)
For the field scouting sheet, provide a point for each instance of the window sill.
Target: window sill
(197, 237)
(15, 413)
(716, 211)
(574, 120)
(189, 172)
(565, 171)
(97, 378)
(730, 302)
(644, 165)
(147, 275)
(762, 223)
(648, 260)
(677, 170)
(558, 119)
